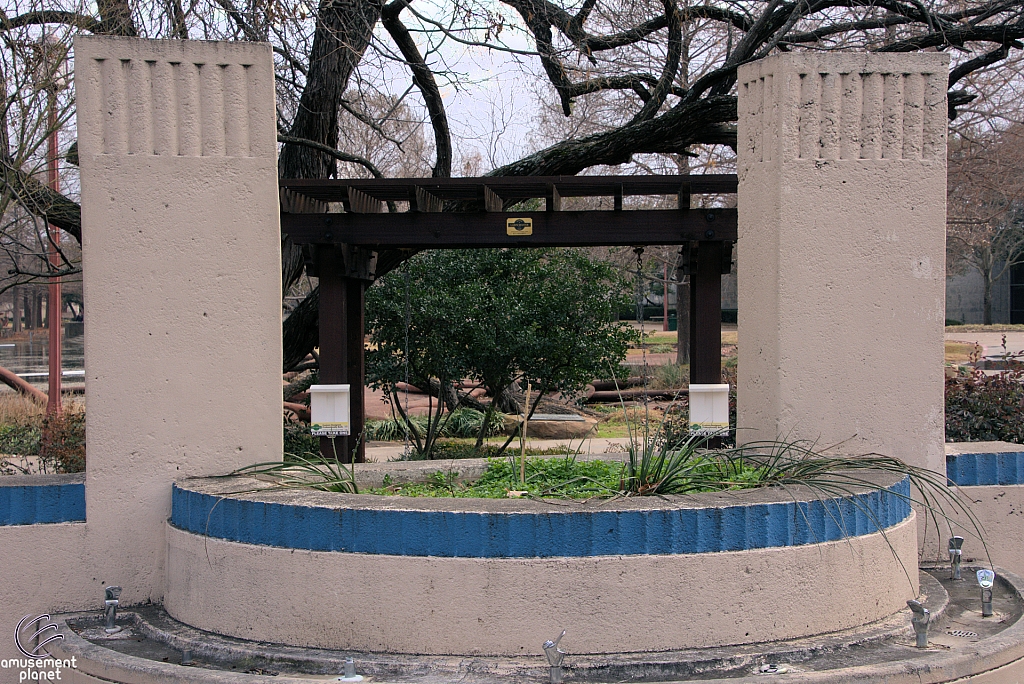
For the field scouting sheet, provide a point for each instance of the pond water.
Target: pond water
(29, 358)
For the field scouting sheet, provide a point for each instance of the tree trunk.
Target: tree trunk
(16, 301)
(343, 31)
(987, 301)
(301, 330)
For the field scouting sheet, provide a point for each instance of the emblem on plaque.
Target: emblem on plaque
(519, 226)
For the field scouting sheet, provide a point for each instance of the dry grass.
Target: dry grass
(960, 352)
(15, 409)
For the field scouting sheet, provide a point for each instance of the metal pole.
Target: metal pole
(53, 303)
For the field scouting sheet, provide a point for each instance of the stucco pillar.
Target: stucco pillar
(841, 252)
(182, 286)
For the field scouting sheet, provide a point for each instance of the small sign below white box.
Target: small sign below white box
(329, 407)
(709, 409)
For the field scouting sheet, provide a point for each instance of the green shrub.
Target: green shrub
(22, 440)
(462, 422)
(465, 422)
(981, 408)
(392, 430)
(298, 441)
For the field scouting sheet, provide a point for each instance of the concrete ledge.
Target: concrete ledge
(39, 499)
(994, 660)
(971, 464)
(248, 511)
(151, 623)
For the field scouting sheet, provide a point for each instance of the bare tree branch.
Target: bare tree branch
(423, 77)
(337, 154)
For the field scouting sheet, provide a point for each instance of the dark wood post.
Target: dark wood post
(706, 315)
(342, 351)
(333, 339)
(356, 365)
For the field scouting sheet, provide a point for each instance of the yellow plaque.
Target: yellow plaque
(519, 226)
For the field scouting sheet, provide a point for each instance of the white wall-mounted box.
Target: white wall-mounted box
(709, 409)
(329, 410)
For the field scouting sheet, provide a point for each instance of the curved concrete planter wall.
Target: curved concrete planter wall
(473, 576)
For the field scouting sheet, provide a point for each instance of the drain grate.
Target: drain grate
(962, 633)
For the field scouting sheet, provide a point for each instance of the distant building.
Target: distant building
(965, 296)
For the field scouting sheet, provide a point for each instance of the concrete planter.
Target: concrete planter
(496, 577)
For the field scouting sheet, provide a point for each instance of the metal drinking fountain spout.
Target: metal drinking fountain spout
(956, 554)
(920, 620)
(986, 578)
(555, 656)
(112, 594)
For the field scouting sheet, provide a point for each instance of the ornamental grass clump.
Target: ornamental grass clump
(309, 470)
(463, 422)
(658, 467)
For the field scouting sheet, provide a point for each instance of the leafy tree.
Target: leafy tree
(499, 317)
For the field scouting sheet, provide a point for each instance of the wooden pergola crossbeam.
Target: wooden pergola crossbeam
(418, 230)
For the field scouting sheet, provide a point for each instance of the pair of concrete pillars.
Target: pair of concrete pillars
(841, 252)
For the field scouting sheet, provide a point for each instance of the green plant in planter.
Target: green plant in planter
(656, 466)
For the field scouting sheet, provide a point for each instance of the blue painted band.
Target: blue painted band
(33, 504)
(545, 534)
(1000, 468)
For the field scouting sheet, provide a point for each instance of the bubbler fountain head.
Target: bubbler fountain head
(555, 656)
(111, 596)
(920, 619)
(350, 672)
(986, 578)
(956, 554)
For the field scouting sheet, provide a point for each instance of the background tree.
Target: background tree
(986, 205)
(662, 74)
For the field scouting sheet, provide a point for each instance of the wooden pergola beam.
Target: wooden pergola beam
(416, 230)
